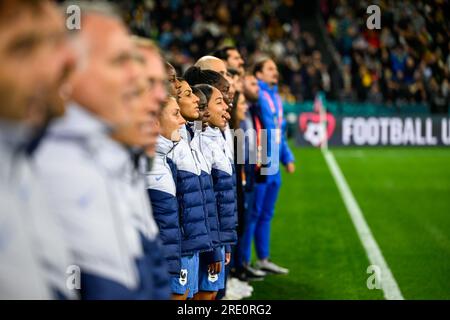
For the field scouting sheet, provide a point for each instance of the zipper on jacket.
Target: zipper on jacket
(180, 215)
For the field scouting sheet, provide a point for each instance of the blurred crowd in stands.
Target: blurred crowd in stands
(187, 30)
(406, 62)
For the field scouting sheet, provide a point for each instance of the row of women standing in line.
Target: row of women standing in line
(192, 184)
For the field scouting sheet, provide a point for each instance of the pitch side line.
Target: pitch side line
(387, 281)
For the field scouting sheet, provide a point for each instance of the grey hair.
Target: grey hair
(87, 8)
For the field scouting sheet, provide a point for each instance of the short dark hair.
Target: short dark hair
(222, 53)
(194, 75)
(199, 93)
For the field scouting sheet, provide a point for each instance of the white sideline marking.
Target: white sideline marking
(388, 283)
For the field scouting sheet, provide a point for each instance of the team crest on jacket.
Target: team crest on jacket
(183, 277)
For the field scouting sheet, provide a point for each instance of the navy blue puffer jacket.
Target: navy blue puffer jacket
(192, 210)
(223, 184)
(209, 200)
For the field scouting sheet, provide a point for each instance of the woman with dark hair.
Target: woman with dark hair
(210, 143)
(187, 100)
(193, 215)
(239, 110)
(202, 105)
(211, 260)
(242, 160)
(189, 106)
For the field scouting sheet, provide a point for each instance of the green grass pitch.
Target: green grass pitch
(404, 194)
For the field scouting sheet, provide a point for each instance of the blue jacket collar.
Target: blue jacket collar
(265, 86)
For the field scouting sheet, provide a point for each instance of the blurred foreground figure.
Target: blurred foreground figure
(87, 168)
(34, 57)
